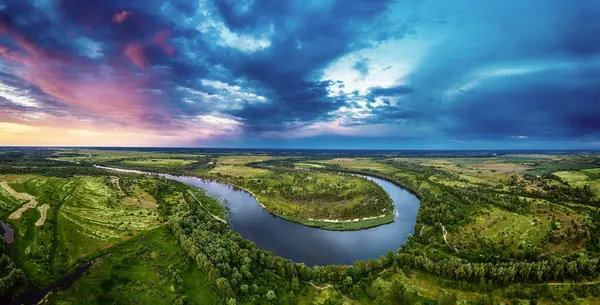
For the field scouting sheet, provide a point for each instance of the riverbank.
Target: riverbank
(305, 241)
(329, 224)
(325, 224)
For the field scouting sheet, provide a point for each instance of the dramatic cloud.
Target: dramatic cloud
(121, 16)
(360, 73)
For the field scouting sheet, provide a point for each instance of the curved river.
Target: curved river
(311, 246)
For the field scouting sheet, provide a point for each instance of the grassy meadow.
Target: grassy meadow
(148, 269)
(84, 215)
(324, 200)
(502, 214)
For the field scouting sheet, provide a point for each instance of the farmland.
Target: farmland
(512, 229)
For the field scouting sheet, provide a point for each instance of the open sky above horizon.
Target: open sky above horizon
(420, 74)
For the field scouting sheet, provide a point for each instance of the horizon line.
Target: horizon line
(297, 148)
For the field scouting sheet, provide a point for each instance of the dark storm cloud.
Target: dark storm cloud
(321, 35)
(509, 68)
(544, 109)
(391, 91)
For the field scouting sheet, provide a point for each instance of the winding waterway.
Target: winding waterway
(311, 246)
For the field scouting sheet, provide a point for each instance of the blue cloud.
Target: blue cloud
(442, 70)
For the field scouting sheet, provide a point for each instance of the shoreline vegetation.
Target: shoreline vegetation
(326, 224)
(326, 200)
(502, 228)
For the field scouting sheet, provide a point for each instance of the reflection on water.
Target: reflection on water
(312, 246)
(9, 234)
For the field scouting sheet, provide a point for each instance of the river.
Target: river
(302, 244)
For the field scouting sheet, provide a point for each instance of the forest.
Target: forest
(514, 229)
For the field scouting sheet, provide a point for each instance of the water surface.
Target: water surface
(312, 246)
(9, 233)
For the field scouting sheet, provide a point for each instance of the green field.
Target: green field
(238, 171)
(324, 200)
(513, 229)
(159, 162)
(149, 269)
(85, 215)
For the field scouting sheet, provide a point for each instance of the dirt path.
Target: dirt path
(326, 286)
(446, 239)
(421, 231)
(32, 203)
(115, 180)
(43, 211)
(445, 234)
(209, 213)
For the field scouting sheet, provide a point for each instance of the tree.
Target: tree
(402, 294)
(348, 281)
(295, 284)
(223, 287)
(271, 295)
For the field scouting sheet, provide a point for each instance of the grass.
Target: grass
(309, 165)
(99, 155)
(149, 269)
(84, 216)
(582, 178)
(504, 227)
(239, 171)
(159, 162)
(550, 229)
(572, 176)
(242, 159)
(8, 203)
(592, 171)
(309, 197)
(547, 168)
(341, 226)
(359, 163)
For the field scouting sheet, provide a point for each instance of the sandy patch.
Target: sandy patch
(22, 196)
(44, 211)
(17, 214)
(349, 220)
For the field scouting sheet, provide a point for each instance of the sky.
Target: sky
(363, 74)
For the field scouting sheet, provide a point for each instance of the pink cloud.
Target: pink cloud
(160, 39)
(116, 96)
(135, 52)
(103, 104)
(121, 16)
(18, 38)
